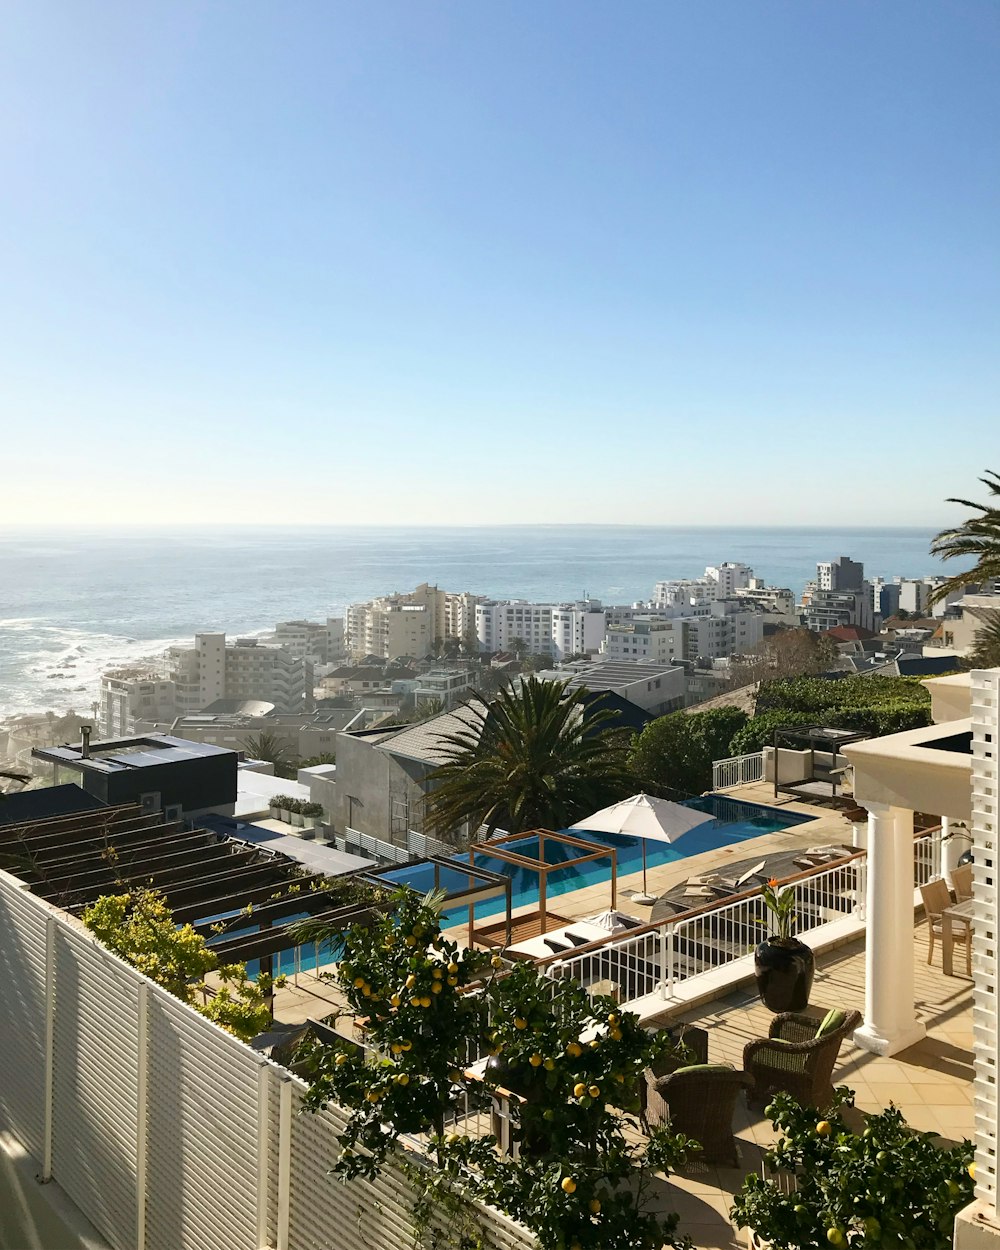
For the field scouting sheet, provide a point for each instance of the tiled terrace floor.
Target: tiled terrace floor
(931, 1082)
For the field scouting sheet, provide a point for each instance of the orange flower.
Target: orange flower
(772, 882)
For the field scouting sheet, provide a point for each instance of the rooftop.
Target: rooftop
(120, 754)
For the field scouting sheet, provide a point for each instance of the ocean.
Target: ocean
(75, 602)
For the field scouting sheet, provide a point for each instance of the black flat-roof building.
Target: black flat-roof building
(159, 772)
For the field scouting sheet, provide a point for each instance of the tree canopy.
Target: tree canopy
(673, 755)
(977, 538)
(529, 760)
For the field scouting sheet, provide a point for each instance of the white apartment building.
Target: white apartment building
(775, 600)
(408, 624)
(840, 574)
(244, 669)
(321, 642)
(830, 608)
(444, 686)
(711, 632)
(681, 593)
(558, 630)
(721, 581)
(729, 578)
(129, 694)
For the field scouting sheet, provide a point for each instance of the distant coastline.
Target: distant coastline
(75, 602)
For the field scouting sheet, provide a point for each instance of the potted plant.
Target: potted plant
(275, 806)
(310, 812)
(295, 807)
(783, 965)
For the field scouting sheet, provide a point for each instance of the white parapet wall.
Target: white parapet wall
(978, 1227)
(162, 1130)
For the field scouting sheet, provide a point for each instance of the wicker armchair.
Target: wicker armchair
(795, 1060)
(699, 1102)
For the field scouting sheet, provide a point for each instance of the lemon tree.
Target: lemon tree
(407, 982)
(886, 1186)
(575, 1063)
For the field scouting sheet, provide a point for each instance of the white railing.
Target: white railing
(166, 1132)
(739, 770)
(656, 959)
(416, 846)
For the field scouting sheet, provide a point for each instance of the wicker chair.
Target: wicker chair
(795, 1060)
(699, 1102)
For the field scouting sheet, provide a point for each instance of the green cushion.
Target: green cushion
(705, 1067)
(831, 1022)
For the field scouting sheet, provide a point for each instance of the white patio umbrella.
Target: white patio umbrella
(647, 818)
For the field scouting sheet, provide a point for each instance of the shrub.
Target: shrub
(139, 927)
(887, 1186)
(673, 755)
(758, 732)
(814, 694)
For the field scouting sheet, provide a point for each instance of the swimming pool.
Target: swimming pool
(734, 821)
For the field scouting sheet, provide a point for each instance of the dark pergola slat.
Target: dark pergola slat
(96, 850)
(161, 881)
(74, 823)
(220, 886)
(194, 912)
(304, 901)
(93, 838)
(272, 941)
(127, 867)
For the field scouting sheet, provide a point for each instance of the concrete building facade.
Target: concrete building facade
(558, 630)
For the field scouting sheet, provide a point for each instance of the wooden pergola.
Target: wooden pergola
(498, 848)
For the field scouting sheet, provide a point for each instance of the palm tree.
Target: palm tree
(978, 538)
(985, 651)
(266, 746)
(528, 761)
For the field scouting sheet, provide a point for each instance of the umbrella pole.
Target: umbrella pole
(644, 865)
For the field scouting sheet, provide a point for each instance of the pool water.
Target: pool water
(734, 821)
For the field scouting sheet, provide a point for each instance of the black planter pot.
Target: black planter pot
(784, 973)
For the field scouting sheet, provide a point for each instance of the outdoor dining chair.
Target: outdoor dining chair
(961, 880)
(937, 897)
(798, 1056)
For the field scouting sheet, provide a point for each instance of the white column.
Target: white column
(890, 1022)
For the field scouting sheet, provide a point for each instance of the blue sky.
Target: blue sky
(698, 262)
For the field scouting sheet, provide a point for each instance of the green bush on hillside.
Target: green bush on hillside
(874, 705)
(673, 755)
(815, 694)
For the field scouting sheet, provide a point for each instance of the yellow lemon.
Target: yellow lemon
(411, 941)
(574, 1049)
(535, 1061)
(595, 1207)
(406, 1045)
(453, 980)
(341, 1059)
(549, 1064)
(402, 1079)
(358, 982)
(824, 1128)
(594, 1044)
(612, 1019)
(496, 961)
(395, 1000)
(972, 1170)
(436, 987)
(396, 1048)
(438, 972)
(411, 981)
(568, 1185)
(453, 967)
(579, 1089)
(594, 1091)
(616, 1035)
(520, 1023)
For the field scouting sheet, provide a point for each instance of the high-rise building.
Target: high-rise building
(840, 574)
(555, 629)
